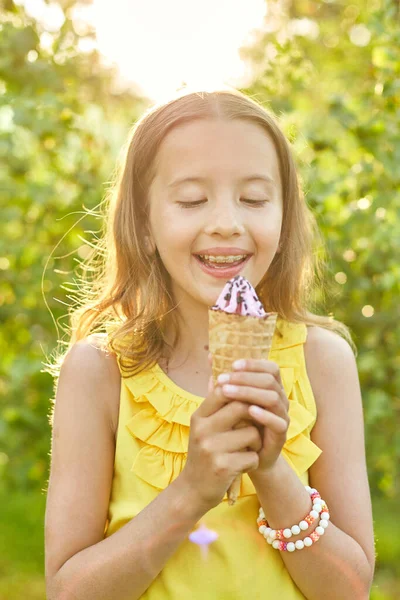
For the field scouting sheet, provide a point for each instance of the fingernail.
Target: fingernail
(224, 378)
(239, 364)
(256, 411)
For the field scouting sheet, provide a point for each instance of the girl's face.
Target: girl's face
(216, 187)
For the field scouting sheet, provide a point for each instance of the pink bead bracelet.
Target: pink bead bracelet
(276, 537)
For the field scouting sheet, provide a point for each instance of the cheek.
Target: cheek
(267, 235)
(181, 231)
(174, 237)
(177, 238)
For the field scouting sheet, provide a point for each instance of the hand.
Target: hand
(259, 384)
(218, 451)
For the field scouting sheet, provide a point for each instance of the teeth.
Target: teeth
(222, 259)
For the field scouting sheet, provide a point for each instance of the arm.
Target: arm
(80, 563)
(341, 564)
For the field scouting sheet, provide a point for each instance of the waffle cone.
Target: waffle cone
(232, 337)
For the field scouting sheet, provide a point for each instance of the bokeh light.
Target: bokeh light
(341, 277)
(349, 255)
(364, 203)
(367, 310)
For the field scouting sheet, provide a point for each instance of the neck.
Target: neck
(193, 344)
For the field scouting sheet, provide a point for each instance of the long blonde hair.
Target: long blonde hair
(128, 293)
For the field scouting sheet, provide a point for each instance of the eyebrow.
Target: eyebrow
(264, 178)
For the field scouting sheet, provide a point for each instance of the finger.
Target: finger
(259, 364)
(268, 399)
(234, 415)
(254, 379)
(242, 439)
(244, 461)
(264, 381)
(213, 402)
(269, 419)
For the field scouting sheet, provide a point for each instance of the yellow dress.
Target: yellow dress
(151, 450)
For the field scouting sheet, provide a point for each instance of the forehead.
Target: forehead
(216, 149)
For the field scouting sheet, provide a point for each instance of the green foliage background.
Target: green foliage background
(63, 122)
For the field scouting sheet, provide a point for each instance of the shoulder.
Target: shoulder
(90, 359)
(88, 364)
(326, 341)
(327, 356)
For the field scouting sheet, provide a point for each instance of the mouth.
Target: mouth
(222, 270)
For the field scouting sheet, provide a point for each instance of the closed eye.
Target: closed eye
(190, 204)
(254, 201)
(198, 202)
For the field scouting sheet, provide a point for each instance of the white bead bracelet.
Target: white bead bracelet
(276, 537)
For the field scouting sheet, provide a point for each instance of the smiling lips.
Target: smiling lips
(230, 251)
(222, 256)
(222, 270)
(222, 262)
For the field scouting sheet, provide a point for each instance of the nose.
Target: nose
(224, 219)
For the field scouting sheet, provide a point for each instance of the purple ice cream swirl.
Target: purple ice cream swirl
(240, 298)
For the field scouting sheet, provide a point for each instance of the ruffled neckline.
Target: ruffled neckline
(163, 412)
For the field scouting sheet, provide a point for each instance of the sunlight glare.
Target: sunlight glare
(162, 45)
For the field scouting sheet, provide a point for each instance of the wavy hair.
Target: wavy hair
(128, 296)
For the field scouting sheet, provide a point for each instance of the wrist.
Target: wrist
(272, 472)
(187, 500)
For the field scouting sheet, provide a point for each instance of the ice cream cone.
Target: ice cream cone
(231, 337)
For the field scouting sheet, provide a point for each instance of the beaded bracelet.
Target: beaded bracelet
(276, 537)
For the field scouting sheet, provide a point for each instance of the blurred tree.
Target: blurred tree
(62, 123)
(331, 70)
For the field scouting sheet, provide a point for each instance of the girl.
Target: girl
(144, 446)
